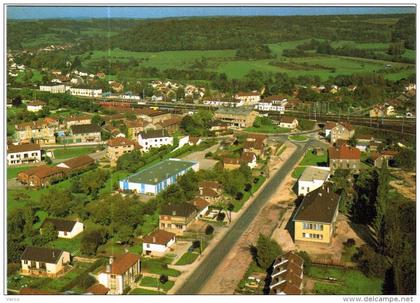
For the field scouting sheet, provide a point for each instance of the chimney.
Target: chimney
(108, 268)
(53, 253)
(111, 260)
(328, 189)
(174, 213)
(154, 239)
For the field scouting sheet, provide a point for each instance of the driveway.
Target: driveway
(207, 271)
(200, 157)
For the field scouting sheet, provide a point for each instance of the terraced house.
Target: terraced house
(287, 275)
(41, 131)
(315, 218)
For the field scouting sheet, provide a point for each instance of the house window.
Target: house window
(148, 245)
(12, 156)
(25, 261)
(162, 225)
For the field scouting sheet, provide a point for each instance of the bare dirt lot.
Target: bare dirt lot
(406, 185)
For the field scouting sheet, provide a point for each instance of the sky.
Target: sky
(73, 12)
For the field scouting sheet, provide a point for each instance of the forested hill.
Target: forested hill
(210, 32)
(233, 32)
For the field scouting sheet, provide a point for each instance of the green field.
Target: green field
(349, 282)
(312, 159)
(224, 61)
(154, 282)
(72, 152)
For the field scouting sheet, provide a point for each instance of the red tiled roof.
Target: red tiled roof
(79, 162)
(344, 152)
(98, 289)
(330, 125)
(43, 171)
(159, 236)
(19, 148)
(194, 140)
(210, 184)
(200, 203)
(120, 142)
(123, 263)
(231, 161)
(170, 122)
(247, 157)
(242, 94)
(208, 192)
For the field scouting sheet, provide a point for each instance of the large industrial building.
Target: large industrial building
(154, 179)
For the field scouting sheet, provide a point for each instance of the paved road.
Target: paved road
(201, 275)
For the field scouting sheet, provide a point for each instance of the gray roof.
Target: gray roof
(158, 133)
(314, 173)
(42, 254)
(234, 111)
(178, 209)
(85, 129)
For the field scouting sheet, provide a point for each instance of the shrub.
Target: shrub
(12, 268)
(221, 216)
(307, 262)
(370, 262)
(86, 281)
(349, 243)
(209, 230)
(163, 279)
(266, 252)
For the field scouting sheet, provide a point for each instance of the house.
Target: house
(383, 157)
(288, 122)
(250, 98)
(23, 153)
(120, 273)
(249, 158)
(151, 115)
(40, 176)
(152, 180)
(231, 163)
(54, 89)
(236, 117)
(42, 261)
(194, 140)
(343, 131)
(85, 92)
(77, 120)
(97, 289)
(377, 111)
(77, 165)
(134, 128)
(158, 242)
(202, 206)
(313, 177)
(255, 143)
(171, 125)
(154, 138)
(35, 106)
(116, 147)
(328, 127)
(344, 157)
(86, 133)
(316, 216)
(177, 217)
(210, 191)
(287, 275)
(40, 131)
(67, 229)
(269, 106)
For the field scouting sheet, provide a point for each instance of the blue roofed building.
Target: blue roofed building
(154, 179)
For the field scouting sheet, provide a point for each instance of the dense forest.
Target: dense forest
(215, 32)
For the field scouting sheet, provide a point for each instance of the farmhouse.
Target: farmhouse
(287, 275)
(158, 242)
(312, 178)
(86, 133)
(383, 157)
(344, 157)
(41, 175)
(154, 138)
(120, 273)
(315, 218)
(41, 261)
(177, 217)
(41, 131)
(35, 106)
(78, 164)
(77, 120)
(116, 147)
(288, 122)
(66, 228)
(23, 153)
(154, 179)
(235, 117)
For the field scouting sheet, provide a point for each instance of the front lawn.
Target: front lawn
(348, 282)
(70, 245)
(143, 291)
(72, 152)
(247, 194)
(312, 159)
(347, 253)
(298, 172)
(159, 267)
(187, 258)
(154, 282)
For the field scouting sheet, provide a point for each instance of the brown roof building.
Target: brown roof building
(118, 147)
(344, 157)
(77, 164)
(97, 289)
(287, 275)
(41, 175)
